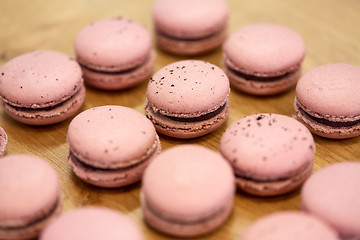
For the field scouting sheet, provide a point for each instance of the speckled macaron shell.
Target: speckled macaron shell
(330, 92)
(30, 196)
(3, 141)
(92, 223)
(332, 194)
(288, 225)
(113, 45)
(264, 49)
(41, 87)
(187, 190)
(190, 18)
(271, 153)
(116, 139)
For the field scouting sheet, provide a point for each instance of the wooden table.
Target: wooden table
(330, 29)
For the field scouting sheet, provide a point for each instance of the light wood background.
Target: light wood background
(331, 32)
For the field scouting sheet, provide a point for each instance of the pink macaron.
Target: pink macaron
(41, 87)
(271, 154)
(114, 53)
(188, 99)
(263, 58)
(110, 146)
(190, 27)
(92, 223)
(30, 196)
(187, 191)
(328, 101)
(3, 141)
(332, 194)
(287, 225)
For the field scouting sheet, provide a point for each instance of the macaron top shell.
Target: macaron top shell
(331, 89)
(113, 44)
(111, 136)
(265, 48)
(29, 188)
(289, 225)
(188, 181)
(332, 193)
(39, 79)
(91, 223)
(190, 18)
(188, 87)
(267, 146)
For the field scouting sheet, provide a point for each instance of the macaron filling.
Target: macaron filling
(216, 34)
(327, 121)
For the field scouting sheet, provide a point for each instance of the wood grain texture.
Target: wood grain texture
(330, 29)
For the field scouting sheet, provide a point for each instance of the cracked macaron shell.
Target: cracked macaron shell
(188, 88)
(39, 79)
(190, 18)
(267, 146)
(188, 182)
(99, 45)
(111, 136)
(331, 90)
(264, 49)
(29, 189)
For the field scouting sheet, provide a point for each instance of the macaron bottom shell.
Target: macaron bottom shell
(3, 141)
(49, 115)
(263, 85)
(182, 227)
(185, 129)
(119, 80)
(274, 187)
(190, 47)
(316, 124)
(112, 178)
(33, 229)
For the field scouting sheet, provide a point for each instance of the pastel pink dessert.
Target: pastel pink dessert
(114, 53)
(328, 101)
(188, 99)
(190, 27)
(289, 225)
(3, 141)
(92, 223)
(111, 146)
(271, 154)
(41, 87)
(30, 196)
(332, 194)
(263, 58)
(187, 191)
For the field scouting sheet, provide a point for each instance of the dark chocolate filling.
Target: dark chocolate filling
(189, 39)
(248, 77)
(38, 220)
(200, 118)
(328, 122)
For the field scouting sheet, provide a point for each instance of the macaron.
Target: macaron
(3, 141)
(263, 58)
(271, 154)
(110, 146)
(41, 87)
(30, 196)
(187, 191)
(92, 223)
(289, 225)
(190, 27)
(328, 101)
(188, 99)
(332, 194)
(114, 53)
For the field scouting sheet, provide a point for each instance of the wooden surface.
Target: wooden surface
(330, 29)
